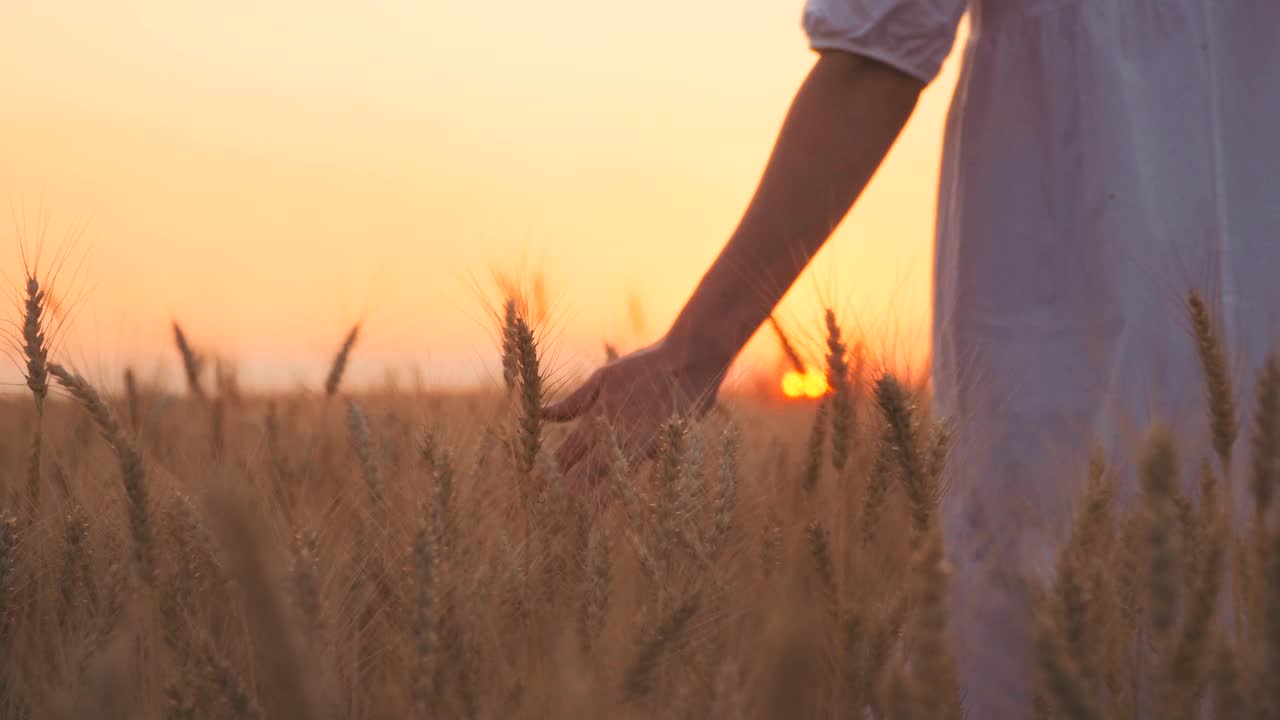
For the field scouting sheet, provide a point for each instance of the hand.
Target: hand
(841, 124)
(637, 395)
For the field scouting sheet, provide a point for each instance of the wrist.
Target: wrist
(703, 353)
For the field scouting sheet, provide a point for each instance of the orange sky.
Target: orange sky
(270, 172)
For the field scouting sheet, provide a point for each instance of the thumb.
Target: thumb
(576, 402)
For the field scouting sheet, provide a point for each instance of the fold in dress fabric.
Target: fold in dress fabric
(1103, 158)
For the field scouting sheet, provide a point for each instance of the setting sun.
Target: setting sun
(377, 162)
(809, 384)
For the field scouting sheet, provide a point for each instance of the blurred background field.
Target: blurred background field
(210, 552)
(205, 552)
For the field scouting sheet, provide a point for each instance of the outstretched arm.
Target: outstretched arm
(841, 124)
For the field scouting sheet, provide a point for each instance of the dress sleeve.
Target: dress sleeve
(913, 36)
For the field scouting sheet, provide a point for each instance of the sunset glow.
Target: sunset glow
(270, 173)
(810, 384)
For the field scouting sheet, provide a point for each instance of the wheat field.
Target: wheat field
(324, 554)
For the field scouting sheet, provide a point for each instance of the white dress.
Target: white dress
(1102, 159)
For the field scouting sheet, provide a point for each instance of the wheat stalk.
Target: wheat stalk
(1265, 681)
(896, 406)
(880, 646)
(275, 449)
(788, 350)
(425, 619)
(530, 440)
(770, 544)
(620, 474)
(510, 338)
(34, 341)
(824, 568)
(1265, 470)
(440, 469)
(1071, 596)
(1228, 698)
(1159, 478)
(235, 692)
(671, 469)
(9, 599)
(339, 361)
(217, 427)
(878, 486)
(853, 669)
(277, 656)
(1079, 582)
(596, 594)
(192, 363)
(1069, 693)
(132, 400)
(36, 351)
(339, 365)
(131, 469)
(638, 679)
(693, 488)
(74, 559)
(817, 440)
(726, 491)
(306, 588)
(935, 691)
(362, 441)
(838, 379)
(1213, 361)
(1186, 666)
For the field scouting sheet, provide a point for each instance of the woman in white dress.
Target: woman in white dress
(1102, 159)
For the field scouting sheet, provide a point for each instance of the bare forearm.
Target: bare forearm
(841, 124)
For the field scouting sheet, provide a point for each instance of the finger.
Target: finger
(638, 440)
(576, 403)
(707, 404)
(650, 448)
(597, 467)
(586, 475)
(574, 447)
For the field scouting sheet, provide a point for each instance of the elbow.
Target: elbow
(858, 74)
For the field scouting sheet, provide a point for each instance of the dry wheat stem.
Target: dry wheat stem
(362, 441)
(1265, 470)
(192, 363)
(36, 351)
(510, 353)
(1071, 697)
(131, 469)
(840, 382)
(530, 438)
(1213, 361)
(726, 491)
(817, 441)
(896, 406)
(340, 360)
(638, 679)
(1159, 478)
